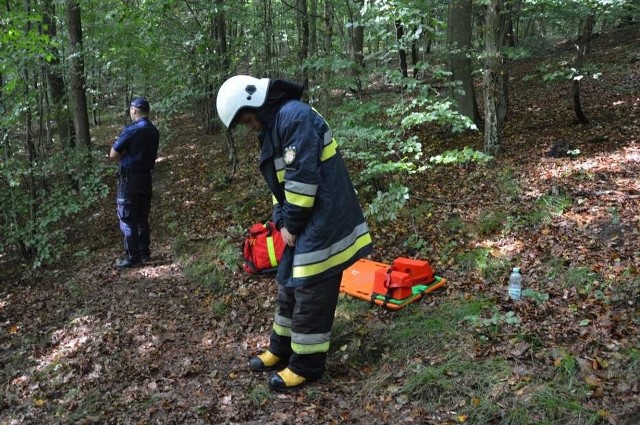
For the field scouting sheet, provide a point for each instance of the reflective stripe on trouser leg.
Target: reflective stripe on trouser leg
(280, 342)
(311, 309)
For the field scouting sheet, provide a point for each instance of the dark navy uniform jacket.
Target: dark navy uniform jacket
(140, 141)
(313, 196)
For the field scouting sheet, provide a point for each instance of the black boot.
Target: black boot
(127, 263)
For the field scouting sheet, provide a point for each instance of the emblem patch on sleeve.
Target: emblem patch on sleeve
(289, 154)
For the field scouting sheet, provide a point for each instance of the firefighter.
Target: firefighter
(317, 212)
(136, 149)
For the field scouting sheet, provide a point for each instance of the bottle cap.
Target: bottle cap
(516, 269)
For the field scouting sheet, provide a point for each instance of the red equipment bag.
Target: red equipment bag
(262, 248)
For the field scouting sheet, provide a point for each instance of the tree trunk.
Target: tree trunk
(328, 50)
(503, 74)
(269, 37)
(508, 17)
(358, 34)
(582, 46)
(459, 42)
(313, 26)
(303, 52)
(415, 58)
(80, 114)
(492, 136)
(223, 68)
(357, 40)
(55, 82)
(404, 68)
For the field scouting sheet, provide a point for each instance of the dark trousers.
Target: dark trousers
(302, 326)
(133, 214)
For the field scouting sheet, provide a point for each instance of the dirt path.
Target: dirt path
(89, 344)
(85, 344)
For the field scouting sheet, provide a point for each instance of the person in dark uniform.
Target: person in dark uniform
(317, 211)
(136, 149)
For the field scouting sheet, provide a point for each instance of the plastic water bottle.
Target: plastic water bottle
(515, 284)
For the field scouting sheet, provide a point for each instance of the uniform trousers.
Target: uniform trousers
(133, 206)
(302, 325)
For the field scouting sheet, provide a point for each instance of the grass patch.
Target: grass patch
(507, 185)
(481, 260)
(454, 223)
(415, 329)
(631, 363)
(627, 287)
(456, 378)
(209, 262)
(558, 403)
(440, 368)
(206, 273)
(546, 207)
(491, 222)
(259, 395)
(416, 245)
(585, 281)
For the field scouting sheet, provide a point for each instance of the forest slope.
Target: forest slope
(168, 342)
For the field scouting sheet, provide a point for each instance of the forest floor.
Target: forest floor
(168, 342)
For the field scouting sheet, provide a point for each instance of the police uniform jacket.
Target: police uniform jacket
(140, 141)
(313, 196)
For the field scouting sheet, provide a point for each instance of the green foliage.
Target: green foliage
(386, 205)
(417, 244)
(585, 281)
(36, 199)
(559, 404)
(538, 297)
(490, 327)
(206, 272)
(464, 156)
(474, 259)
(516, 53)
(441, 113)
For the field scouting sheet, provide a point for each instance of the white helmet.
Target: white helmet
(240, 91)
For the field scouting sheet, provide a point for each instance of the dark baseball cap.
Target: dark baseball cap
(140, 103)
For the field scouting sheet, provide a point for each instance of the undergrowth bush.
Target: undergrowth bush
(390, 153)
(36, 198)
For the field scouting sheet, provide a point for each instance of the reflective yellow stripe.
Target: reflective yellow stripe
(329, 150)
(303, 201)
(280, 175)
(271, 250)
(310, 348)
(281, 330)
(274, 200)
(339, 258)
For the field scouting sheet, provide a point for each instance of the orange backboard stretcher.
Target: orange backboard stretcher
(359, 281)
